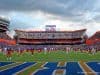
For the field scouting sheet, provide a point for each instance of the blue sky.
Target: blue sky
(66, 14)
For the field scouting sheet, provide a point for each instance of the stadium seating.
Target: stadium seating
(56, 37)
(4, 36)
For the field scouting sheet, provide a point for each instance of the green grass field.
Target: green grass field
(55, 56)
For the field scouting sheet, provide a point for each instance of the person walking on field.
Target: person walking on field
(45, 50)
(93, 51)
(9, 54)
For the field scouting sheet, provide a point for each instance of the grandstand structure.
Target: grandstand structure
(95, 39)
(4, 38)
(51, 37)
(4, 23)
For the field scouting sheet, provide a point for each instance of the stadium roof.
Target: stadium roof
(53, 31)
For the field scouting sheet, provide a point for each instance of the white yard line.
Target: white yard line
(40, 68)
(12, 67)
(25, 69)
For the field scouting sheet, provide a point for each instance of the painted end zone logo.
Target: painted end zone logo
(66, 68)
(50, 68)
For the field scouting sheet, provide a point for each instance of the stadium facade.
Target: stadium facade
(51, 37)
(4, 38)
(4, 23)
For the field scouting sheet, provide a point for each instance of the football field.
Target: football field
(51, 63)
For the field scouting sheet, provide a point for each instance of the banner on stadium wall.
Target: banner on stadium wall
(89, 42)
(10, 42)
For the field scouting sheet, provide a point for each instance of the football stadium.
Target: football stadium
(48, 52)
